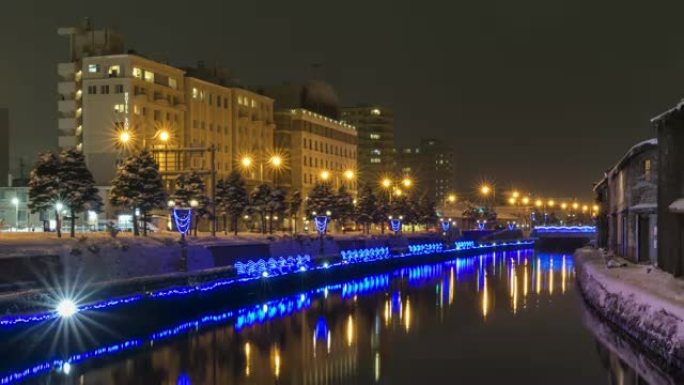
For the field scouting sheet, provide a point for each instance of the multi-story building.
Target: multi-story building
(237, 121)
(376, 147)
(5, 178)
(627, 220)
(319, 149)
(432, 165)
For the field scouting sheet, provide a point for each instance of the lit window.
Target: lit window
(375, 136)
(254, 103)
(93, 68)
(172, 83)
(647, 170)
(240, 100)
(137, 73)
(119, 108)
(114, 71)
(195, 93)
(376, 151)
(149, 76)
(375, 160)
(375, 111)
(136, 109)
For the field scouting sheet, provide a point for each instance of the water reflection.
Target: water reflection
(364, 331)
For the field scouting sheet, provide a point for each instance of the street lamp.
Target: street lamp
(276, 161)
(552, 203)
(164, 136)
(485, 189)
(325, 175)
(526, 201)
(349, 175)
(15, 202)
(538, 203)
(407, 182)
(386, 183)
(515, 194)
(246, 161)
(194, 203)
(511, 201)
(451, 198)
(124, 137)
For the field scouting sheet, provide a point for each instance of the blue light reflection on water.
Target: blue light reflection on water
(462, 268)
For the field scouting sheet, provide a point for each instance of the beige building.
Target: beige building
(237, 121)
(319, 149)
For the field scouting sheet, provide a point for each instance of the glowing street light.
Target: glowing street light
(325, 175)
(564, 205)
(485, 189)
(585, 208)
(552, 203)
(194, 203)
(276, 161)
(349, 174)
(407, 182)
(526, 200)
(124, 137)
(386, 183)
(246, 161)
(451, 198)
(515, 194)
(595, 208)
(59, 206)
(538, 203)
(164, 136)
(511, 200)
(575, 206)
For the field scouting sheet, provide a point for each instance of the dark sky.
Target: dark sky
(543, 95)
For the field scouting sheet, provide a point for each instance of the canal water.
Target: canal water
(500, 318)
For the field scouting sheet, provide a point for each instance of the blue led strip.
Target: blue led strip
(273, 266)
(565, 229)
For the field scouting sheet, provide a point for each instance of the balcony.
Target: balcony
(67, 125)
(66, 70)
(66, 107)
(66, 141)
(66, 88)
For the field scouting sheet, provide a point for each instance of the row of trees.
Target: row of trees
(64, 179)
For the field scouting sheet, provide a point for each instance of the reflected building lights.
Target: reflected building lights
(407, 317)
(452, 284)
(350, 330)
(247, 359)
(551, 275)
(377, 366)
(538, 270)
(276, 362)
(485, 297)
(563, 275)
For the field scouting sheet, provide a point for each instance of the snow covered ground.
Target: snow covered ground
(647, 304)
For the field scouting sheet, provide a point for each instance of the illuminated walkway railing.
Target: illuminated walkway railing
(426, 248)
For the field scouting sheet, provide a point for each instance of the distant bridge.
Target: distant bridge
(563, 237)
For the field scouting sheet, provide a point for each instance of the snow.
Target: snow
(645, 303)
(644, 206)
(677, 206)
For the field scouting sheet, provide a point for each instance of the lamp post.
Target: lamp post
(15, 202)
(393, 186)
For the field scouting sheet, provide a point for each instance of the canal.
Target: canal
(498, 318)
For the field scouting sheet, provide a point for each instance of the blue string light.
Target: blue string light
(565, 229)
(395, 224)
(183, 219)
(321, 222)
(445, 225)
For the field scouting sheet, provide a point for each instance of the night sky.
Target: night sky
(541, 95)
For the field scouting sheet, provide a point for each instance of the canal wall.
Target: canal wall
(642, 302)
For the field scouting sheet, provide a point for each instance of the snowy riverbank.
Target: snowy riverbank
(645, 303)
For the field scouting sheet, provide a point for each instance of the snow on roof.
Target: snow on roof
(669, 112)
(677, 206)
(643, 206)
(632, 152)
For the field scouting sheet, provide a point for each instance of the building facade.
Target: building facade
(432, 165)
(627, 195)
(670, 130)
(376, 147)
(318, 149)
(237, 121)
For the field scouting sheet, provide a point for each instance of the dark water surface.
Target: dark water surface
(500, 318)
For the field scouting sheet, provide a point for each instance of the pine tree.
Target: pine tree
(276, 206)
(232, 198)
(321, 200)
(427, 211)
(295, 205)
(259, 199)
(44, 186)
(138, 186)
(382, 211)
(366, 207)
(77, 185)
(344, 206)
(188, 188)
